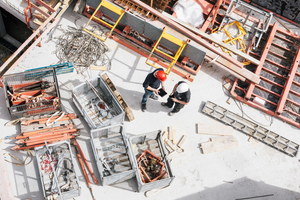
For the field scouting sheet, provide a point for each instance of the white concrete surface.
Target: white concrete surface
(253, 169)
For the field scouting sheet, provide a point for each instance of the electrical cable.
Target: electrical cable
(240, 106)
(48, 123)
(81, 48)
(21, 163)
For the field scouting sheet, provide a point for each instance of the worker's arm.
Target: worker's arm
(163, 86)
(152, 89)
(174, 89)
(178, 101)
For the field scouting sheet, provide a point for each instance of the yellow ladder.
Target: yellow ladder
(111, 7)
(232, 40)
(172, 39)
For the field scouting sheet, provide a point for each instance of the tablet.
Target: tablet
(162, 92)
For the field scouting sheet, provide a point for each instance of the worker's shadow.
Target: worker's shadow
(133, 98)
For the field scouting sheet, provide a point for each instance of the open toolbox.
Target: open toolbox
(97, 112)
(31, 93)
(61, 156)
(151, 144)
(113, 154)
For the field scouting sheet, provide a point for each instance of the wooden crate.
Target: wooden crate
(119, 97)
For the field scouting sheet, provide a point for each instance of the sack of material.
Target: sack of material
(190, 12)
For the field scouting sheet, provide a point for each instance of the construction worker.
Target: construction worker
(180, 95)
(151, 85)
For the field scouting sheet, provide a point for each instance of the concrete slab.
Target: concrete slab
(251, 170)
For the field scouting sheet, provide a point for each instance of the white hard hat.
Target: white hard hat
(183, 87)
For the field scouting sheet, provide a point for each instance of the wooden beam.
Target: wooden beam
(219, 145)
(214, 40)
(214, 129)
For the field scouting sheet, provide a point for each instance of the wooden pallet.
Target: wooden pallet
(119, 97)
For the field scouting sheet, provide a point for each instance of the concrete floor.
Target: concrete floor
(252, 169)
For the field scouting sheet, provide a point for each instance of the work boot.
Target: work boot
(144, 108)
(164, 104)
(154, 97)
(171, 113)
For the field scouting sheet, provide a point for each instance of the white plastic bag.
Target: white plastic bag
(190, 12)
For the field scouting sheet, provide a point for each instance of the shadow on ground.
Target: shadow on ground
(244, 189)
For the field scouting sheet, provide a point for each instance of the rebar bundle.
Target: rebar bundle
(81, 48)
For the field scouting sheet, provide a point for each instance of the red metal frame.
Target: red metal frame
(289, 82)
(262, 59)
(283, 98)
(26, 15)
(212, 15)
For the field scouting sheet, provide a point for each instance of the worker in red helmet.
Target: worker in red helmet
(180, 95)
(151, 85)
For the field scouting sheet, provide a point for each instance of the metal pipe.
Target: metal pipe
(51, 163)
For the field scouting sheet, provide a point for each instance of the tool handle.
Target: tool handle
(83, 169)
(86, 163)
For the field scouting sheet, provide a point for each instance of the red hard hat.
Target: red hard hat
(161, 75)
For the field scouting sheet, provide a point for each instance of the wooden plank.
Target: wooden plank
(219, 145)
(174, 137)
(99, 68)
(170, 131)
(6, 193)
(181, 141)
(214, 40)
(219, 138)
(214, 129)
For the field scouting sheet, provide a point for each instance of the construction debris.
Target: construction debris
(20, 162)
(170, 141)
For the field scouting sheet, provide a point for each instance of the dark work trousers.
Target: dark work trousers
(177, 107)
